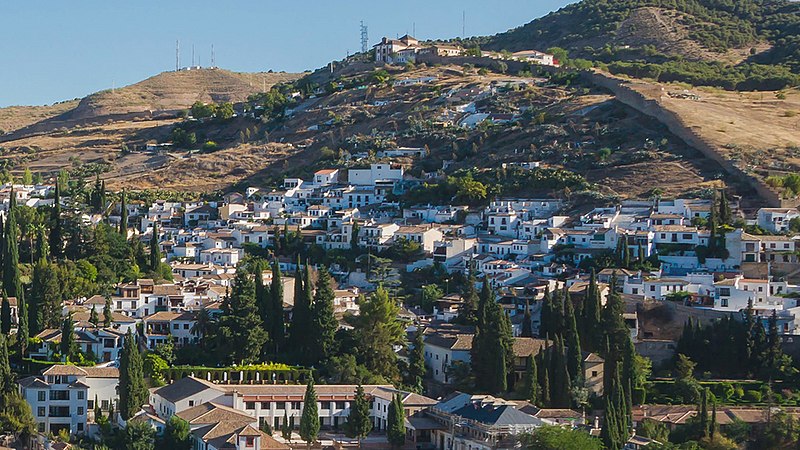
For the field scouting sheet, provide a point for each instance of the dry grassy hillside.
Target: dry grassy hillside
(169, 91)
(16, 117)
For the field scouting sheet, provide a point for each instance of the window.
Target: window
(652, 288)
(340, 405)
(81, 395)
(594, 373)
(724, 303)
(250, 441)
(80, 426)
(80, 410)
(250, 405)
(725, 292)
(104, 405)
(280, 405)
(42, 396)
(175, 326)
(41, 411)
(295, 405)
(687, 237)
(186, 326)
(191, 403)
(265, 405)
(90, 404)
(40, 427)
(326, 405)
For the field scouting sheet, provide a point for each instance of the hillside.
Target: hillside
(170, 91)
(730, 31)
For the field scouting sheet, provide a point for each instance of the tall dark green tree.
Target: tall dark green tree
(132, 389)
(703, 413)
(309, 421)
(68, 346)
(176, 435)
(376, 330)
(492, 351)
(527, 326)
(107, 316)
(240, 323)
(123, 214)
(277, 329)
(560, 387)
(467, 313)
(725, 215)
(56, 228)
(359, 423)
(485, 299)
(94, 318)
(323, 320)
(531, 388)
(416, 362)
(262, 294)
(5, 315)
(6, 376)
(155, 250)
(572, 342)
(302, 317)
(11, 280)
(395, 423)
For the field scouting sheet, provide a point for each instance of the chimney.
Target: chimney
(596, 424)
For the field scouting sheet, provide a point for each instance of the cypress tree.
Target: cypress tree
(527, 327)
(395, 423)
(416, 361)
(123, 215)
(626, 252)
(309, 421)
(56, 231)
(703, 413)
(23, 332)
(560, 388)
(5, 315)
(67, 345)
(640, 255)
(573, 343)
(546, 388)
(301, 317)
(6, 376)
(132, 389)
(240, 322)
(11, 281)
(94, 318)
(467, 313)
(725, 215)
(546, 318)
(531, 391)
(712, 429)
(155, 251)
(359, 423)
(774, 352)
(591, 315)
(486, 299)
(102, 197)
(277, 330)
(107, 317)
(323, 320)
(262, 296)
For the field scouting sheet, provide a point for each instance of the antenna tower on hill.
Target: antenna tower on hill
(177, 55)
(213, 57)
(364, 38)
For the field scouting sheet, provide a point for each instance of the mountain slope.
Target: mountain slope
(169, 91)
(705, 30)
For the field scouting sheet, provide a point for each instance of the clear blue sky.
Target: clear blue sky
(52, 50)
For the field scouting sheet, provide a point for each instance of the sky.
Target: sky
(54, 50)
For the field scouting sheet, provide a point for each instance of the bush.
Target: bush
(753, 396)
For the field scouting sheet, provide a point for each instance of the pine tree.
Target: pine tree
(416, 362)
(155, 251)
(5, 315)
(527, 326)
(376, 330)
(132, 389)
(323, 320)
(123, 215)
(68, 345)
(277, 329)
(240, 322)
(359, 423)
(309, 421)
(56, 232)
(573, 343)
(395, 423)
(107, 316)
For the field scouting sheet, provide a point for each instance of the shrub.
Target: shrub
(752, 396)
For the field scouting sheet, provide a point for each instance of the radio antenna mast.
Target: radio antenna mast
(364, 38)
(192, 55)
(177, 55)
(464, 23)
(213, 58)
